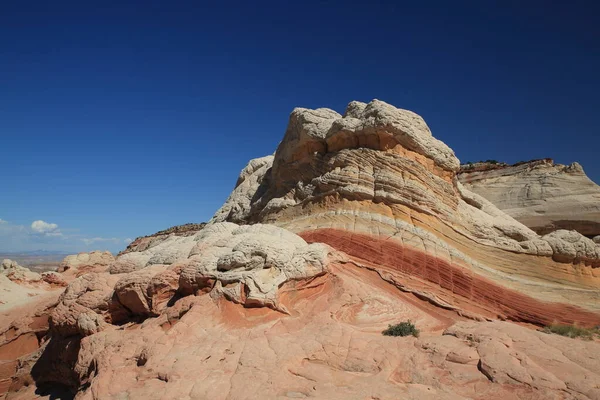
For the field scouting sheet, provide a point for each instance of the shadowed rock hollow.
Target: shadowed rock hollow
(356, 222)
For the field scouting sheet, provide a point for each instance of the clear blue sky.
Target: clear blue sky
(119, 119)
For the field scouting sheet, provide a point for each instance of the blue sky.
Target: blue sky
(119, 119)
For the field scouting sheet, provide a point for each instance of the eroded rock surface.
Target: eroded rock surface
(16, 273)
(26, 301)
(378, 171)
(245, 264)
(144, 242)
(328, 346)
(94, 261)
(541, 194)
(19, 285)
(356, 222)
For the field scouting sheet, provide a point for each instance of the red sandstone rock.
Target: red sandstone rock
(243, 312)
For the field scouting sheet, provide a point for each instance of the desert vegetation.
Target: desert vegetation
(573, 331)
(405, 328)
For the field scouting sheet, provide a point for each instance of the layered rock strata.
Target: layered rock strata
(540, 194)
(356, 222)
(328, 346)
(378, 173)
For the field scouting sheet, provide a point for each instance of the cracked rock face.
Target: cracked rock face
(249, 263)
(244, 264)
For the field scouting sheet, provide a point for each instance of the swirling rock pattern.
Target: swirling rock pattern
(541, 194)
(244, 264)
(377, 171)
(356, 222)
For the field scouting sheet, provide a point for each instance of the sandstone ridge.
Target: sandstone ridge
(356, 222)
(541, 194)
(367, 172)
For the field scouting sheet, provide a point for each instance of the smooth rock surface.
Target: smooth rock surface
(94, 261)
(541, 194)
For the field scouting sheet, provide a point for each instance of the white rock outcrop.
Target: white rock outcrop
(93, 259)
(253, 260)
(380, 154)
(541, 194)
(13, 271)
(244, 264)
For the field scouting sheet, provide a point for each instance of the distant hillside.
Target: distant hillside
(37, 261)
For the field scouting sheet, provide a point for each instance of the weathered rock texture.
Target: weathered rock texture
(245, 264)
(26, 301)
(94, 261)
(376, 176)
(143, 242)
(16, 273)
(356, 222)
(328, 346)
(19, 285)
(540, 194)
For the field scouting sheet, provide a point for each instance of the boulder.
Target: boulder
(16, 273)
(94, 261)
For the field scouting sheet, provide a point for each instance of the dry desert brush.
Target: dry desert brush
(406, 328)
(572, 331)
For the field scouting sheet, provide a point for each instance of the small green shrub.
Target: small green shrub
(402, 329)
(572, 331)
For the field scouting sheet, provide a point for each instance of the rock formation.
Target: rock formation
(356, 222)
(16, 273)
(19, 285)
(26, 301)
(81, 263)
(540, 194)
(144, 242)
(375, 184)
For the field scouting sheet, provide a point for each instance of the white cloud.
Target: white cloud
(128, 240)
(42, 235)
(22, 238)
(45, 228)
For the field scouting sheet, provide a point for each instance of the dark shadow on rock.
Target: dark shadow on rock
(53, 372)
(55, 391)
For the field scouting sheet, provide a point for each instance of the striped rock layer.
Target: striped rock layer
(376, 184)
(540, 194)
(254, 305)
